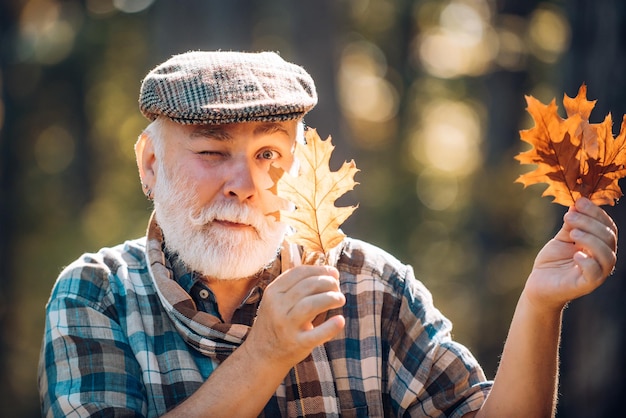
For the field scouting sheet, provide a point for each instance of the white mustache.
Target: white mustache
(228, 212)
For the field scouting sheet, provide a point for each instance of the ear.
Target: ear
(146, 159)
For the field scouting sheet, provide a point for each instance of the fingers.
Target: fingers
(594, 234)
(585, 212)
(584, 205)
(592, 271)
(284, 328)
(313, 299)
(307, 291)
(324, 332)
(595, 248)
(294, 276)
(307, 303)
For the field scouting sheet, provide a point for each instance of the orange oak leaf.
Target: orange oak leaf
(315, 219)
(574, 157)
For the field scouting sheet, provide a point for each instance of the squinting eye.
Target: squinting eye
(268, 154)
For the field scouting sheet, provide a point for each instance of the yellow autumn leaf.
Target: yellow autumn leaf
(316, 219)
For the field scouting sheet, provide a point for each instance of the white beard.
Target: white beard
(208, 248)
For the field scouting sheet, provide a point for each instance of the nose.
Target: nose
(242, 180)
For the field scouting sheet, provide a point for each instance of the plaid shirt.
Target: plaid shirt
(110, 348)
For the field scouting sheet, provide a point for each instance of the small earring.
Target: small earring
(148, 191)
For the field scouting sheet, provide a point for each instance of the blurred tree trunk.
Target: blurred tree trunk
(503, 91)
(593, 364)
(8, 208)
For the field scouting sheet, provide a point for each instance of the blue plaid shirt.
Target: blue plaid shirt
(110, 348)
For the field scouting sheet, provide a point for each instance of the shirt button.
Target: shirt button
(204, 293)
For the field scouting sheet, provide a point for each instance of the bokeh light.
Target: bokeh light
(54, 149)
(364, 94)
(548, 33)
(132, 6)
(437, 190)
(448, 138)
(512, 49)
(363, 91)
(464, 42)
(100, 8)
(47, 30)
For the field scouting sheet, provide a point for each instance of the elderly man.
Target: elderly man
(210, 315)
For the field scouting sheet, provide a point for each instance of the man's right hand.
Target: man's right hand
(283, 332)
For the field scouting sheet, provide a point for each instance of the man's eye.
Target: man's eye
(268, 154)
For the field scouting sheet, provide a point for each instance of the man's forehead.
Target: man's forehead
(229, 130)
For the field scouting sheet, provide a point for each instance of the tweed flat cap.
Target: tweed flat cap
(216, 87)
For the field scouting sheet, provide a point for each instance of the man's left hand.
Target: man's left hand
(577, 260)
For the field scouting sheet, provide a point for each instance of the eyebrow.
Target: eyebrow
(219, 133)
(270, 127)
(213, 132)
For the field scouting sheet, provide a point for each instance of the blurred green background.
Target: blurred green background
(426, 95)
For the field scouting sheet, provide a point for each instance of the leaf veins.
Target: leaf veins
(316, 219)
(574, 157)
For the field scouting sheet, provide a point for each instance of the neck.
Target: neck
(229, 294)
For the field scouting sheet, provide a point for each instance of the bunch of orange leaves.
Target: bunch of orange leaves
(574, 157)
(313, 192)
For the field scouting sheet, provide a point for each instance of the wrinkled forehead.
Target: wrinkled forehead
(230, 130)
(164, 130)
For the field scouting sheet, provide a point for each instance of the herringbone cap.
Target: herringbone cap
(217, 87)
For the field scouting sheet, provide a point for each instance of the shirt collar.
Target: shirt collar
(187, 278)
(184, 276)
